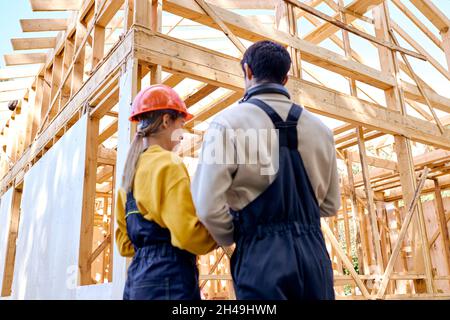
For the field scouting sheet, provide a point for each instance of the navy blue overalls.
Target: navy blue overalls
(280, 250)
(158, 271)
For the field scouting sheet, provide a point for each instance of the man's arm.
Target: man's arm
(212, 180)
(332, 201)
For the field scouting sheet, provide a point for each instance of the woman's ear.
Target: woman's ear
(166, 121)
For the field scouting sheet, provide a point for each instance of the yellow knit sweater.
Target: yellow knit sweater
(163, 195)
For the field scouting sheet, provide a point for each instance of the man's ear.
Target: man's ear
(248, 72)
(285, 80)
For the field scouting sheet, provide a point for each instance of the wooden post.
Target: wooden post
(89, 189)
(11, 244)
(370, 201)
(360, 236)
(128, 15)
(56, 82)
(68, 57)
(335, 244)
(409, 215)
(129, 86)
(156, 70)
(143, 13)
(445, 34)
(78, 68)
(395, 100)
(440, 211)
(98, 46)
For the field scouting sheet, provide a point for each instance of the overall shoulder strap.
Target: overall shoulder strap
(273, 115)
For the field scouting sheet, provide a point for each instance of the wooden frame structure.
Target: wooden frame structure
(108, 49)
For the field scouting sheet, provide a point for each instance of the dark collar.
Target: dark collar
(266, 88)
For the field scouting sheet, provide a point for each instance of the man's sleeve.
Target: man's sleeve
(212, 180)
(332, 201)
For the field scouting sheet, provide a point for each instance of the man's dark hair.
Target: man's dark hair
(269, 61)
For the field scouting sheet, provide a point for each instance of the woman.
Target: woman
(157, 222)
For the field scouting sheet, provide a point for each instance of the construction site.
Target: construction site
(377, 72)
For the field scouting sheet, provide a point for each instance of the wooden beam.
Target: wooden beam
(354, 30)
(324, 31)
(401, 236)
(87, 218)
(409, 39)
(419, 84)
(55, 5)
(12, 95)
(199, 94)
(173, 79)
(395, 101)
(109, 10)
(43, 25)
(108, 132)
(210, 12)
(24, 58)
(446, 46)
(443, 229)
(251, 29)
(13, 230)
(33, 43)
(225, 71)
(349, 265)
(418, 23)
(218, 105)
(10, 73)
(432, 12)
(370, 200)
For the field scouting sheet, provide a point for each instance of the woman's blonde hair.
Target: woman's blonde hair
(149, 123)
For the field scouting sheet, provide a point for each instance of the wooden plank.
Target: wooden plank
(409, 39)
(335, 244)
(363, 255)
(100, 249)
(142, 12)
(108, 132)
(432, 12)
(402, 146)
(417, 22)
(443, 229)
(11, 246)
(173, 79)
(354, 30)
(201, 93)
(24, 58)
(446, 46)
(251, 29)
(12, 95)
(324, 31)
(402, 234)
(55, 5)
(10, 73)
(69, 50)
(109, 10)
(78, 63)
(210, 12)
(225, 71)
(218, 105)
(370, 201)
(98, 46)
(19, 84)
(419, 84)
(33, 43)
(102, 75)
(89, 185)
(43, 25)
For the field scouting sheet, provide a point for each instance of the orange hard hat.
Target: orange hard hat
(158, 97)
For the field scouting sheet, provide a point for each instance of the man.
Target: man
(270, 207)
